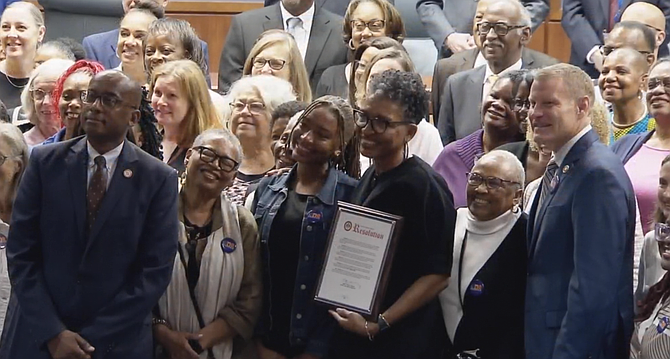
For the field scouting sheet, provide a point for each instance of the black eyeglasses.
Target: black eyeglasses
(662, 232)
(379, 124)
(606, 50)
(655, 82)
(475, 180)
(275, 64)
(373, 25)
(225, 163)
(108, 101)
(500, 28)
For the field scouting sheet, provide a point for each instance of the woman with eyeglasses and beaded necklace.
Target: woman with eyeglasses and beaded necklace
(217, 267)
(410, 325)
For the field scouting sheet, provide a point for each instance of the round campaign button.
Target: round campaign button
(662, 324)
(314, 216)
(476, 288)
(3, 241)
(228, 245)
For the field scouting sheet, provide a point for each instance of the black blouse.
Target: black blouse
(416, 192)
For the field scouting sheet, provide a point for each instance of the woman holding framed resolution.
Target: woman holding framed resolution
(410, 325)
(294, 212)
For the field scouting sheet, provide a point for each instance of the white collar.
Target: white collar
(559, 156)
(110, 157)
(489, 72)
(306, 16)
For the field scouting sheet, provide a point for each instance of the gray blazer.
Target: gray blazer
(325, 47)
(465, 60)
(441, 18)
(460, 113)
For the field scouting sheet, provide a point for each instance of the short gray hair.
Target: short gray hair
(13, 137)
(224, 134)
(273, 90)
(505, 158)
(52, 69)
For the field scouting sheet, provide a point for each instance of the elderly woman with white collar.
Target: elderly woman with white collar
(488, 274)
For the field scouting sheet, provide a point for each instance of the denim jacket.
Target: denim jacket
(311, 325)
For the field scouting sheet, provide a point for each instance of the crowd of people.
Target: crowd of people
(146, 214)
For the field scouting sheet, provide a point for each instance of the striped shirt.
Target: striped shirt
(655, 343)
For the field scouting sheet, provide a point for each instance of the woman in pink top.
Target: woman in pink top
(642, 153)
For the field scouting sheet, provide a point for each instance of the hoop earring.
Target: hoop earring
(515, 209)
(351, 45)
(405, 154)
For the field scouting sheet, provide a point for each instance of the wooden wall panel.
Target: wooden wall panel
(539, 40)
(558, 44)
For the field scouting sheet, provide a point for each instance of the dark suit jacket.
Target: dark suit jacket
(325, 47)
(103, 285)
(337, 7)
(459, 110)
(333, 82)
(101, 47)
(579, 301)
(441, 18)
(465, 61)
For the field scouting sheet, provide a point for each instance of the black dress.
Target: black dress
(10, 90)
(333, 82)
(416, 192)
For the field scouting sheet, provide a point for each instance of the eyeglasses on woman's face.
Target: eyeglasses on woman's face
(224, 163)
(256, 108)
(275, 64)
(374, 25)
(379, 124)
(655, 82)
(492, 183)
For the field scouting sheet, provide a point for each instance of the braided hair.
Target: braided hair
(151, 137)
(82, 66)
(661, 290)
(348, 161)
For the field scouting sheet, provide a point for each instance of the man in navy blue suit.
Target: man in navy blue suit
(101, 47)
(579, 298)
(94, 234)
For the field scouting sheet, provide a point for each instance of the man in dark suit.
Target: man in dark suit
(457, 113)
(449, 22)
(325, 47)
(579, 301)
(337, 7)
(585, 21)
(4, 3)
(94, 236)
(101, 47)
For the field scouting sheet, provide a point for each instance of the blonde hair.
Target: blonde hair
(201, 115)
(297, 70)
(35, 12)
(577, 83)
(400, 56)
(51, 70)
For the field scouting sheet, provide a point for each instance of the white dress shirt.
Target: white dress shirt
(111, 158)
(480, 60)
(300, 33)
(559, 156)
(488, 81)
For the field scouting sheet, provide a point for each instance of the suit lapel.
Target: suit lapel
(76, 163)
(526, 59)
(318, 37)
(121, 185)
(469, 60)
(273, 20)
(566, 169)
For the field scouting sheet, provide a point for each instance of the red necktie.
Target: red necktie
(614, 8)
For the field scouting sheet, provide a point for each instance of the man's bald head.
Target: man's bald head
(116, 81)
(649, 15)
(645, 13)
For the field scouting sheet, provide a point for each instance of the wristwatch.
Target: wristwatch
(156, 321)
(382, 323)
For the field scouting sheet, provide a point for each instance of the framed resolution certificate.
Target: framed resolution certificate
(358, 260)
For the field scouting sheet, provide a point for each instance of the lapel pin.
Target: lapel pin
(127, 173)
(566, 168)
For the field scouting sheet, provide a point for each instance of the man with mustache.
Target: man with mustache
(504, 31)
(94, 235)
